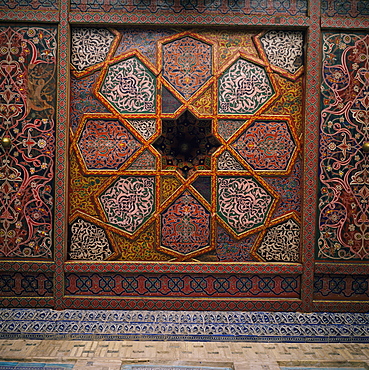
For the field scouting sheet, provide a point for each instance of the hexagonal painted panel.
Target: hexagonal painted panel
(129, 202)
(185, 225)
(243, 89)
(106, 144)
(187, 64)
(267, 145)
(243, 203)
(129, 87)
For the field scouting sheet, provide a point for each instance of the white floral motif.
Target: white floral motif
(89, 46)
(88, 242)
(284, 49)
(129, 202)
(281, 243)
(242, 202)
(227, 162)
(146, 127)
(243, 88)
(130, 87)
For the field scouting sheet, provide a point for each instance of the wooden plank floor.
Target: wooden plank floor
(111, 355)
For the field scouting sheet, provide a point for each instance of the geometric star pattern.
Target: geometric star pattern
(187, 146)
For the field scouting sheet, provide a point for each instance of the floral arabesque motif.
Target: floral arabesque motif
(106, 144)
(243, 88)
(27, 118)
(129, 87)
(344, 175)
(281, 243)
(187, 64)
(227, 162)
(88, 242)
(146, 127)
(243, 203)
(267, 145)
(90, 46)
(284, 49)
(129, 202)
(185, 225)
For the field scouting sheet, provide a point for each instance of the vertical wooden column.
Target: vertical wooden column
(61, 159)
(311, 153)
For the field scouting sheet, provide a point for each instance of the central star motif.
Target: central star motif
(186, 144)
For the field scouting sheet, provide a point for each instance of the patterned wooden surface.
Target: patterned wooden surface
(230, 250)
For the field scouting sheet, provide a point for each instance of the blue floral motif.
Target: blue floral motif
(185, 325)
